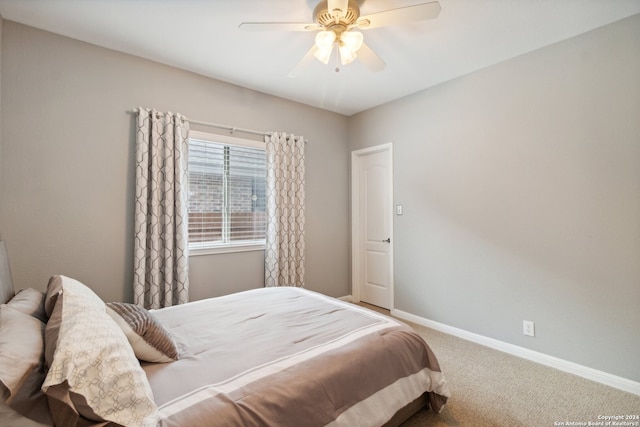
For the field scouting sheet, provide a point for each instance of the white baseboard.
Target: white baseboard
(347, 298)
(544, 359)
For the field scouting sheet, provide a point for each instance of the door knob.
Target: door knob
(387, 241)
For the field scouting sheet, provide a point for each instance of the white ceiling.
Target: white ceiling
(203, 36)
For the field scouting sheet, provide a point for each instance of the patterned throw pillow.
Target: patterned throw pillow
(150, 341)
(93, 372)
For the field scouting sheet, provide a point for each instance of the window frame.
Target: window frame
(207, 248)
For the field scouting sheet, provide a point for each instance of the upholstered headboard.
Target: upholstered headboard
(6, 285)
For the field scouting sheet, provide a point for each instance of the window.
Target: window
(227, 194)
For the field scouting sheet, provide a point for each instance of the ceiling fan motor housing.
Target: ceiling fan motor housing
(324, 17)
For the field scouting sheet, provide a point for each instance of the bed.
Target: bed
(265, 357)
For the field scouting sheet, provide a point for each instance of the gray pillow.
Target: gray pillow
(21, 351)
(30, 301)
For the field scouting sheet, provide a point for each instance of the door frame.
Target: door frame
(356, 156)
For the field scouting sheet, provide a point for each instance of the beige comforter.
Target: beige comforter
(289, 357)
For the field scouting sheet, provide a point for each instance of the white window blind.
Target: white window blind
(227, 200)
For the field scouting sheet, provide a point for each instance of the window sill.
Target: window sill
(197, 250)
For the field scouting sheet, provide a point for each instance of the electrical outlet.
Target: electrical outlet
(528, 328)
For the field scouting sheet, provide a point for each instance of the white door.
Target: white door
(372, 208)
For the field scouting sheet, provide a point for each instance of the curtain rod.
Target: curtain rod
(231, 129)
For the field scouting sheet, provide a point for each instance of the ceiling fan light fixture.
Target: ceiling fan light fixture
(347, 56)
(352, 39)
(350, 43)
(323, 55)
(324, 42)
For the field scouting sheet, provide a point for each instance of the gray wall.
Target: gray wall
(521, 189)
(521, 185)
(1, 24)
(67, 165)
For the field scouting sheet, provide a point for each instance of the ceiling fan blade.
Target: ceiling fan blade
(370, 59)
(402, 15)
(304, 62)
(338, 7)
(279, 26)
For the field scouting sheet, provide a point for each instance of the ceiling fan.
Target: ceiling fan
(337, 21)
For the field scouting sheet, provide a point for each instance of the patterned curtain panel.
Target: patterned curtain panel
(161, 241)
(284, 252)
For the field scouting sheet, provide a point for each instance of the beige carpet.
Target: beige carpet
(492, 388)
